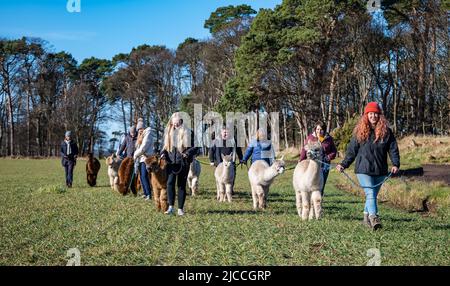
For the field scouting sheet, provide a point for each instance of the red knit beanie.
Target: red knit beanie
(372, 107)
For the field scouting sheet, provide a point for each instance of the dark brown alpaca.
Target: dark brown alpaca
(126, 175)
(157, 167)
(92, 168)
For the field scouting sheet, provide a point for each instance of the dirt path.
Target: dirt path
(436, 173)
(428, 173)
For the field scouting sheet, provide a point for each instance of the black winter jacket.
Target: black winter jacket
(175, 157)
(371, 157)
(216, 151)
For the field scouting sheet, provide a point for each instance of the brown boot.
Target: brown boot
(375, 222)
(366, 220)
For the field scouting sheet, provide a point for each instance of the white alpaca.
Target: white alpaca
(261, 176)
(194, 176)
(224, 175)
(308, 180)
(113, 164)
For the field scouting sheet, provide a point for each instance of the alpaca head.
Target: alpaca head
(227, 160)
(111, 160)
(90, 156)
(154, 163)
(313, 150)
(279, 166)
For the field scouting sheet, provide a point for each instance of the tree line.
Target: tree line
(309, 60)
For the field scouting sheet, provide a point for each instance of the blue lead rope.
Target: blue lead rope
(353, 182)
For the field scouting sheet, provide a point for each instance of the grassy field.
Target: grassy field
(40, 222)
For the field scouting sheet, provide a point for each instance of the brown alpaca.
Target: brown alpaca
(157, 167)
(126, 175)
(92, 168)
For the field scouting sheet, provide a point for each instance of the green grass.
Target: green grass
(40, 221)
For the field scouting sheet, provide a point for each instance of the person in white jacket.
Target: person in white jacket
(144, 147)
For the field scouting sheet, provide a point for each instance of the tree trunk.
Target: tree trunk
(124, 116)
(286, 143)
(11, 150)
(332, 94)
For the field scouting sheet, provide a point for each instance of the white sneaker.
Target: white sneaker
(180, 212)
(170, 211)
(147, 198)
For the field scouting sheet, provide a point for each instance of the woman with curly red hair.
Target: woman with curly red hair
(372, 141)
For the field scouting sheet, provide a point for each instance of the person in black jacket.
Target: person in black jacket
(69, 154)
(224, 146)
(372, 141)
(179, 152)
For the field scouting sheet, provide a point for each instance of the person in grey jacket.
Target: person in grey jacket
(372, 141)
(128, 145)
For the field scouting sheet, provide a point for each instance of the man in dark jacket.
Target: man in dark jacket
(69, 154)
(224, 146)
(129, 143)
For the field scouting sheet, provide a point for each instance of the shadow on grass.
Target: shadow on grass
(230, 212)
(441, 227)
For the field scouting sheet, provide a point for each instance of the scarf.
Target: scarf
(69, 150)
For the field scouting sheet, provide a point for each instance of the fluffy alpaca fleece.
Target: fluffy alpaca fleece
(113, 164)
(193, 177)
(92, 168)
(261, 176)
(125, 175)
(157, 167)
(307, 181)
(224, 175)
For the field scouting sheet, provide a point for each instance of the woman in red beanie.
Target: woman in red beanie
(372, 141)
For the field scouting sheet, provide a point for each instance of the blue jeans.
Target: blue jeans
(325, 172)
(145, 182)
(371, 206)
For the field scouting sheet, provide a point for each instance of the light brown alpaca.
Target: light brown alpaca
(113, 163)
(261, 176)
(307, 181)
(224, 175)
(157, 167)
(92, 168)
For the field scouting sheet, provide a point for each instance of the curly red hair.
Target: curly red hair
(362, 129)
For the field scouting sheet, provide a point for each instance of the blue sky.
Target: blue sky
(108, 27)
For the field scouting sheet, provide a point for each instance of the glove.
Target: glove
(211, 164)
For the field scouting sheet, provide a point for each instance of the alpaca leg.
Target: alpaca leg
(298, 202)
(222, 192)
(116, 184)
(218, 190)
(156, 196)
(229, 191)
(266, 196)
(189, 185)
(194, 186)
(316, 199)
(163, 200)
(261, 199)
(306, 199)
(255, 198)
(111, 182)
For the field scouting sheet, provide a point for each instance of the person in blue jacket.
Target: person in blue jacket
(260, 149)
